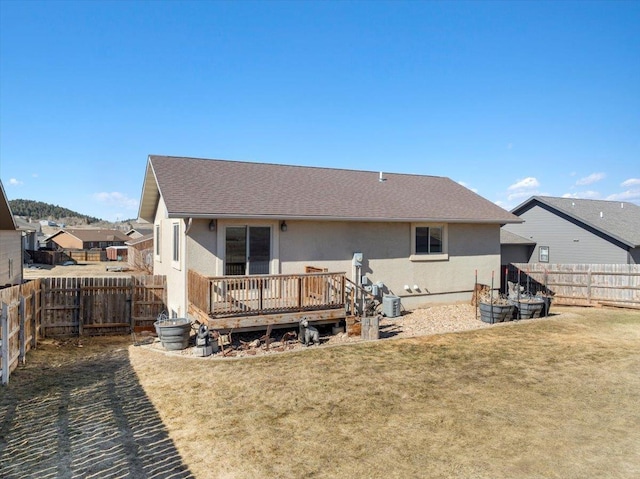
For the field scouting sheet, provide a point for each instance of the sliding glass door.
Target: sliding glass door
(247, 250)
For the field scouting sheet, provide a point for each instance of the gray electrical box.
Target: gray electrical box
(391, 306)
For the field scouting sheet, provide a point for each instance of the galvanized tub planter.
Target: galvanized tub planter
(547, 304)
(495, 313)
(527, 308)
(173, 333)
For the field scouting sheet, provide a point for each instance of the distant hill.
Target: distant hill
(46, 211)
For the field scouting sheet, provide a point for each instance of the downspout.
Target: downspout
(188, 227)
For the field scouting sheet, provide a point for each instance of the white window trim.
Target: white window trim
(157, 246)
(541, 254)
(444, 256)
(176, 264)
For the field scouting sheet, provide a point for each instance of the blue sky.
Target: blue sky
(511, 99)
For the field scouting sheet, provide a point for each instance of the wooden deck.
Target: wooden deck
(257, 301)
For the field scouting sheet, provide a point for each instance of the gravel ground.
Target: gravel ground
(434, 320)
(420, 322)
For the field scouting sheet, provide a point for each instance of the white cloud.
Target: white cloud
(592, 178)
(630, 182)
(629, 195)
(528, 183)
(522, 194)
(585, 195)
(15, 182)
(116, 198)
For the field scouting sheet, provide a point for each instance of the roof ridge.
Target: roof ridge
(261, 163)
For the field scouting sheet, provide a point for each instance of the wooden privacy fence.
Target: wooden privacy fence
(581, 284)
(62, 307)
(59, 257)
(79, 306)
(20, 313)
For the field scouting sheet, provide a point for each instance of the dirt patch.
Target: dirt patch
(82, 269)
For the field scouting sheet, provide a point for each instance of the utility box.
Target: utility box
(391, 306)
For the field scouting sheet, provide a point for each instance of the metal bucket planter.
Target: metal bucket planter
(173, 333)
(495, 313)
(528, 308)
(546, 306)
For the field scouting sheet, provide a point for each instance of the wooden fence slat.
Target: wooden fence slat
(582, 283)
(4, 344)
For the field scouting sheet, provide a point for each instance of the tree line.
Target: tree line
(46, 211)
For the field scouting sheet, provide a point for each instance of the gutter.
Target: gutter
(344, 218)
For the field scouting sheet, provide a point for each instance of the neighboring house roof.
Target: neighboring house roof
(507, 237)
(86, 235)
(24, 225)
(139, 230)
(617, 219)
(6, 218)
(201, 188)
(141, 239)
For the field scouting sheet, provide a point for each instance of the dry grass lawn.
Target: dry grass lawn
(547, 398)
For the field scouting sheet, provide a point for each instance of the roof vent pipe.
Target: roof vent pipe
(601, 214)
(621, 205)
(381, 179)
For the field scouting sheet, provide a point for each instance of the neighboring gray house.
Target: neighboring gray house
(578, 231)
(514, 248)
(29, 232)
(10, 245)
(423, 237)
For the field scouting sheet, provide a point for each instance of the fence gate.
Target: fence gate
(90, 306)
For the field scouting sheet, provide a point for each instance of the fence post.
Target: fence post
(80, 310)
(34, 318)
(589, 285)
(4, 344)
(21, 335)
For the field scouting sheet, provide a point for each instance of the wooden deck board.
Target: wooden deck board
(261, 321)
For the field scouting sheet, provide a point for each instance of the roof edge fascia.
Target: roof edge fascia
(144, 189)
(343, 218)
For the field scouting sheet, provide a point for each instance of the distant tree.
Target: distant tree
(39, 210)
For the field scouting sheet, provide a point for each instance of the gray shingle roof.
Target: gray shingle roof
(95, 234)
(507, 237)
(220, 188)
(618, 219)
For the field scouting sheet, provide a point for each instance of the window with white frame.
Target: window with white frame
(158, 241)
(429, 242)
(543, 254)
(176, 243)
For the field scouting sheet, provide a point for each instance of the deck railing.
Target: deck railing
(223, 296)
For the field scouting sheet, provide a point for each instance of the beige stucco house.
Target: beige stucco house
(10, 245)
(421, 238)
(88, 238)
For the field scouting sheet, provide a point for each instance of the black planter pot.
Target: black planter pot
(495, 313)
(173, 333)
